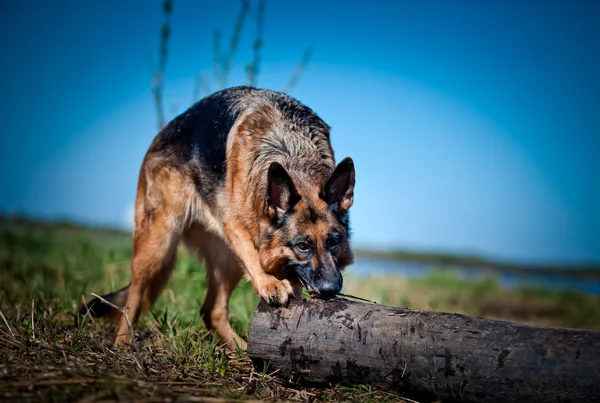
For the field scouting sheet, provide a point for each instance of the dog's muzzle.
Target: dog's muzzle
(325, 284)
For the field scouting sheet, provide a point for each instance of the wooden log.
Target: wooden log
(426, 356)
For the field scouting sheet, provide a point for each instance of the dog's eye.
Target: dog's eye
(334, 241)
(302, 246)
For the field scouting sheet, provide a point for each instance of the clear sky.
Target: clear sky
(474, 125)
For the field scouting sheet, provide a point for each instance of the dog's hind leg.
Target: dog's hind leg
(154, 255)
(222, 280)
(223, 273)
(152, 265)
(161, 211)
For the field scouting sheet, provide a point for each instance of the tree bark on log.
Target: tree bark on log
(426, 356)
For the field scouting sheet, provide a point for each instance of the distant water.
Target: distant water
(366, 267)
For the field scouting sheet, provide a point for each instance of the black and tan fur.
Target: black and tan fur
(247, 179)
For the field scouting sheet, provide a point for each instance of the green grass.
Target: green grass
(46, 270)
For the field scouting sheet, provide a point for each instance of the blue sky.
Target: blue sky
(473, 124)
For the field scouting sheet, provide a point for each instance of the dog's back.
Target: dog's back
(197, 139)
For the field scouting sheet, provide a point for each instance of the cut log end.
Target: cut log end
(425, 355)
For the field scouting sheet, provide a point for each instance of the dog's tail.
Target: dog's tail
(98, 308)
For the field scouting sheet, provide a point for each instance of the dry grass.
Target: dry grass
(68, 363)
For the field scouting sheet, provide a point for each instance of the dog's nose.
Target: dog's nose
(329, 289)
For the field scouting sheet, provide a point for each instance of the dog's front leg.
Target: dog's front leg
(274, 291)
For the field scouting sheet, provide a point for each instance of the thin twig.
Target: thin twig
(95, 397)
(7, 325)
(233, 45)
(299, 70)
(55, 382)
(124, 311)
(197, 88)
(206, 399)
(217, 54)
(87, 310)
(358, 298)
(254, 66)
(159, 75)
(32, 320)
(205, 84)
(7, 340)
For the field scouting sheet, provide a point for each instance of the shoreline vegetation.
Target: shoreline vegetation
(587, 270)
(434, 259)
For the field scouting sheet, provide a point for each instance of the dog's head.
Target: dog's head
(308, 235)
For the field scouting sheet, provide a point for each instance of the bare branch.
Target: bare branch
(205, 84)
(254, 67)
(299, 70)
(87, 310)
(32, 319)
(201, 87)
(235, 40)
(196, 91)
(159, 75)
(7, 325)
(125, 313)
(217, 56)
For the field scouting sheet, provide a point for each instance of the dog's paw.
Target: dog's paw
(275, 292)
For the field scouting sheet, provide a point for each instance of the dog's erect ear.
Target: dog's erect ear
(281, 192)
(339, 189)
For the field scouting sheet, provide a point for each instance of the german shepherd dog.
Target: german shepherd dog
(246, 178)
